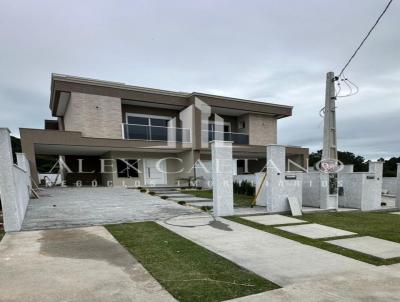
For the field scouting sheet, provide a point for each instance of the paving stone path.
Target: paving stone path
(369, 245)
(278, 259)
(315, 231)
(75, 207)
(274, 219)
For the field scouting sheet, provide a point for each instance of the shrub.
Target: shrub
(206, 208)
(181, 202)
(244, 188)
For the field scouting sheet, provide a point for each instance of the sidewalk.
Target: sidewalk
(82, 264)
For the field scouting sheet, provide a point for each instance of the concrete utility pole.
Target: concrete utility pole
(329, 151)
(329, 196)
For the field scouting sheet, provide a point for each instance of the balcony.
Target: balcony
(236, 138)
(156, 133)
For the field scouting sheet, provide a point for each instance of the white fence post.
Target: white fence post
(222, 178)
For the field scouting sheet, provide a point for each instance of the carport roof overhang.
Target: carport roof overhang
(46, 149)
(73, 143)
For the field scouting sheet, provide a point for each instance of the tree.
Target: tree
(346, 157)
(390, 167)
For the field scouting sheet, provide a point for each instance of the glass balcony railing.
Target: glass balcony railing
(236, 138)
(156, 133)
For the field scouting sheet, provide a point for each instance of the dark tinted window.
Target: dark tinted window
(137, 120)
(125, 170)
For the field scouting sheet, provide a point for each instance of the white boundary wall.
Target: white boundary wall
(312, 189)
(360, 191)
(14, 184)
(389, 185)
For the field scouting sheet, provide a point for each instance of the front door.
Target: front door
(155, 174)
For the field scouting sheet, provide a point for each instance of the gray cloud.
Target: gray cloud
(275, 51)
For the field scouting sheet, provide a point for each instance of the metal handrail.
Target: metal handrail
(155, 126)
(150, 126)
(225, 132)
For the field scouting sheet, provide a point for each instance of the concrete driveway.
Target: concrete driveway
(80, 264)
(75, 207)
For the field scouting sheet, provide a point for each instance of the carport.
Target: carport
(65, 207)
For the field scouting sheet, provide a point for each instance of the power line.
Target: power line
(366, 37)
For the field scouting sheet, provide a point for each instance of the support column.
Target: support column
(222, 178)
(28, 148)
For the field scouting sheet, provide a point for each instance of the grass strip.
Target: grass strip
(382, 227)
(186, 270)
(239, 200)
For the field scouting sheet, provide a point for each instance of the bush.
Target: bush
(181, 202)
(244, 188)
(206, 208)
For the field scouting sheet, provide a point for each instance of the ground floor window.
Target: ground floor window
(126, 170)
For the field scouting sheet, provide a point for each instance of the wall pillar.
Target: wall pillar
(12, 214)
(28, 148)
(276, 168)
(222, 178)
(329, 196)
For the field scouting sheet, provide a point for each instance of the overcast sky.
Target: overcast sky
(275, 51)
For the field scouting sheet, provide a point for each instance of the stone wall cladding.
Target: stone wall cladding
(94, 115)
(262, 130)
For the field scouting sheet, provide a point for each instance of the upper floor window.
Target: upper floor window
(147, 127)
(147, 120)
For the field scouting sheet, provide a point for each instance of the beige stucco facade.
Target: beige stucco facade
(262, 129)
(94, 115)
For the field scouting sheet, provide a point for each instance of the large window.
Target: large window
(147, 127)
(126, 170)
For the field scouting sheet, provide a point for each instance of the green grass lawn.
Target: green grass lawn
(188, 271)
(380, 225)
(239, 200)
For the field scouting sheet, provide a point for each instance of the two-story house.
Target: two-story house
(99, 126)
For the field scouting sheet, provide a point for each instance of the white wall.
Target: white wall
(311, 189)
(390, 185)
(14, 185)
(360, 191)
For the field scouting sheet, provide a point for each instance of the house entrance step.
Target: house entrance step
(163, 188)
(166, 192)
(191, 199)
(201, 204)
(174, 195)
